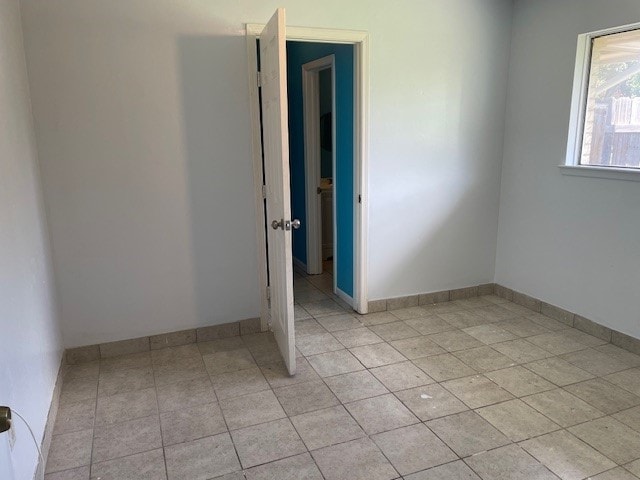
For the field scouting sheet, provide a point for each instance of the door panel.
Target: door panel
(273, 74)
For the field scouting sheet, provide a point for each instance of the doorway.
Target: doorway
(358, 42)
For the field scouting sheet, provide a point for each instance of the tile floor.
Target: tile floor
(470, 389)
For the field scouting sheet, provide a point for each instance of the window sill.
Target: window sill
(611, 173)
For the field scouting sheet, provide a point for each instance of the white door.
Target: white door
(273, 75)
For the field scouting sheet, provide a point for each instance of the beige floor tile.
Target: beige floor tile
(523, 327)
(443, 307)
(357, 337)
(521, 351)
(251, 409)
(336, 323)
(187, 394)
(517, 308)
(299, 467)
(616, 474)
(444, 367)
(558, 371)
(122, 362)
(495, 313)
(413, 448)
(355, 386)
(372, 356)
(72, 417)
(220, 345)
(557, 343)
(278, 376)
(629, 380)
(322, 308)
(431, 401)
(309, 326)
(509, 463)
(335, 363)
(595, 362)
(417, 347)
(317, 343)
(477, 391)
(603, 395)
(455, 340)
(300, 313)
(490, 333)
(305, 397)
(429, 325)
(463, 319)
(120, 381)
(171, 355)
(562, 407)
(123, 439)
(567, 456)
(228, 361)
(202, 459)
(584, 338)
(380, 414)
(546, 322)
(394, 331)
(82, 370)
(517, 420)
(519, 381)
(326, 427)
(267, 442)
(191, 423)
(182, 369)
(265, 354)
(633, 467)
(69, 450)
(142, 466)
(451, 471)
(630, 418)
(484, 359)
(78, 389)
(610, 437)
(408, 312)
(378, 318)
(401, 376)
(123, 407)
(356, 460)
(467, 433)
(242, 382)
(630, 359)
(80, 473)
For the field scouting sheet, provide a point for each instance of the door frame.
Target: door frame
(360, 42)
(311, 110)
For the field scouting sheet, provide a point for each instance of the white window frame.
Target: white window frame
(572, 164)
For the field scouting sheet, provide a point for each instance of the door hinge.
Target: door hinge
(264, 192)
(359, 198)
(268, 293)
(259, 79)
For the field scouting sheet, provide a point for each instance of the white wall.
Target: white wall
(142, 119)
(571, 241)
(30, 343)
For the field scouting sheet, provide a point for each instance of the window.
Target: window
(605, 113)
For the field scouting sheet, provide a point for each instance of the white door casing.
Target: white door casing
(273, 75)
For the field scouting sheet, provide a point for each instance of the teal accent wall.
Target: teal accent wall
(299, 53)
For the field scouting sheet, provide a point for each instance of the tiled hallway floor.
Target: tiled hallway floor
(470, 389)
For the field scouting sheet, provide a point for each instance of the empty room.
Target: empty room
(290, 240)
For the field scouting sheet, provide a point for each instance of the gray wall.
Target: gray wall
(571, 241)
(30, 341)
(142, 120)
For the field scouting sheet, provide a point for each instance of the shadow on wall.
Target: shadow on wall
(219, 175)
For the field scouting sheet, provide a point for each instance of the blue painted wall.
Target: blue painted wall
(299, 53)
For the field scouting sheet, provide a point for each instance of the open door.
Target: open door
(275, 127)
